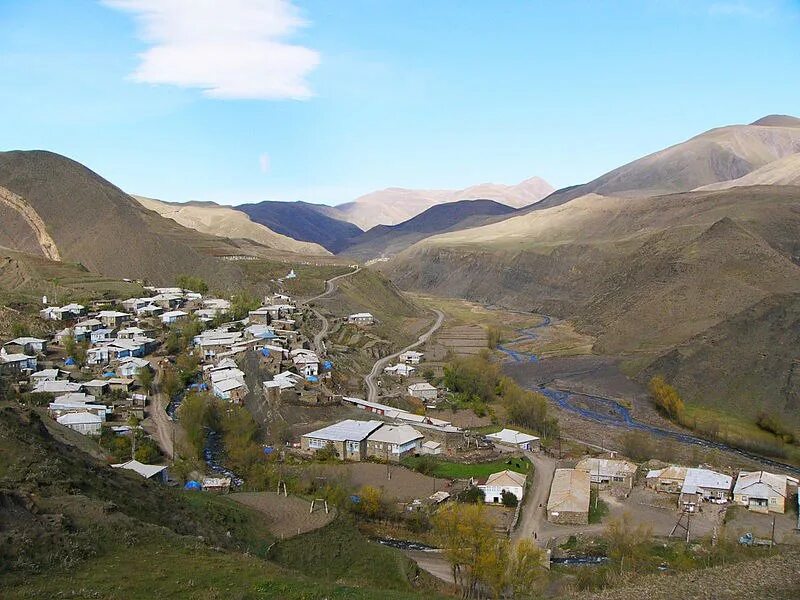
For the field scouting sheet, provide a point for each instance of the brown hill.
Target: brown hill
(395, 205)
(94, 223)
(643, 275)
(720, 154)
(784, 171)
(226, 222)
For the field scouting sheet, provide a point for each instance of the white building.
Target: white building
(411, 357)
(504, 481)
(515, 439)
(704, 484)
(400, 370)
(173, 316)
(85, 423)
(306, 362)
(608, 471)
(393, 442)
(130, 367)
(424, 391)
(154, 472)
(762, 492)
(362, 318)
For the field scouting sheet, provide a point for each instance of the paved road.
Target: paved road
(330, 287)
(377, 368)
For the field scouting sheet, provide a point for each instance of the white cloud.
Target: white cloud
(233, 49)
(263, 163)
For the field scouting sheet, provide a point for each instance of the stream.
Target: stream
(611, 412)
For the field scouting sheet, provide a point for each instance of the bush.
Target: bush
(666, 398)
(425, 464)
(472, 495)
(508, 499)
(328, 453)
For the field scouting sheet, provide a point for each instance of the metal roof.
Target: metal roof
(569, 492)
(347, 430)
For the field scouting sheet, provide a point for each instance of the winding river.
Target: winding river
(611, 412)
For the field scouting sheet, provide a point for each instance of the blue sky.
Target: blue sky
(322, 100)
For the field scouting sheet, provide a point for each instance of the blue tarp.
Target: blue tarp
(327, 365)
(355, 499)
(312, 378)
(70, 362)
(268, 449)
(109, 374)
(264, 352)
(193, 485)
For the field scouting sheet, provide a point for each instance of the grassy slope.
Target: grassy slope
(72, 526)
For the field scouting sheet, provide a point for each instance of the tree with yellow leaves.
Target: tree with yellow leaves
(666, 398)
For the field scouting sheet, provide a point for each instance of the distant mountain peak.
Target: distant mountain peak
(777, 121)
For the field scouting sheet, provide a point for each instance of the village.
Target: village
(106, 374)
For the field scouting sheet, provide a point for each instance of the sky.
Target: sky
(325, 100)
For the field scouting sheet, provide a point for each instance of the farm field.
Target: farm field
(405, 485)
(286, 516)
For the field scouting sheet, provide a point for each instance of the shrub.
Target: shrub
(472, 495)
(508, 499)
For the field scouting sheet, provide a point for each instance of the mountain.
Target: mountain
(55, 207)
(784, 171)
(717, 155)
(385, 240)
(223, 221)
(642, 275)
(396, 205)
(303, 221)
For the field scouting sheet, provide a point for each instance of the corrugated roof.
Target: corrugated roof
(506, 478)
(512, 436)
(606, 467)
(347, 430)
(706, 479)
(395, 434)
(569, 492)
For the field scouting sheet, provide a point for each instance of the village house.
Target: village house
(362, 318)
(669, 479)
(411, 357)
(168, 301)
(216, 485)
(85, 423)
(704, 485)
(56, 313)
(130, 333)
(568, 503)
(77, 403)
(57, 387)
(306, 362)
(130, 367)
(510, 438)
(84, 328)
(122, 384)
(400, 370)
(233, 390)
(153, 472)
(424, 391)
(16, 363)
(349, 438)
(173, 316)
(104, 334)
(217, 304)
(609, 472)
(151, 310)
(216, 341)
(112, 318)
(394, 442)
(762, 492)
(99, 355)
(96, 387)
(134, 305)
(503, 481)
(45, 375)
(25, 345)
(431, 448)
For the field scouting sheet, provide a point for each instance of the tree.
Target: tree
(491, 566)
(526, 570)
(371, 504)
(628, 546)
(144, 376)
(241, 305)
(146, 450)
(327, 453)
(192, 283)
(171, 383)
(666, 398)
(472, 495)
(75, 350)
(508, 499)
(193, 414)
(19, 330)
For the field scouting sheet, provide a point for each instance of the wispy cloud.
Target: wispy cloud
(232, 49)
(263, 163)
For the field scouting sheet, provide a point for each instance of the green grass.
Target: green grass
(453, 470)
(339, 552)
(599, 511)
(169, 569)
(310, 279)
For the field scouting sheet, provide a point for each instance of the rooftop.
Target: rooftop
(395, 434)
(348, 430)
(569, 491)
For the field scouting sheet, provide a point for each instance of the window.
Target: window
(353, 446)
(315, 443)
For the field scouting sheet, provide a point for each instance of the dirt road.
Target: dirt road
(534, 517)
(330, 287)
(377, 368)
(162, 425)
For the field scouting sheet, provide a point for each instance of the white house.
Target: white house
(515, 439)
(504, 481)
(57, 387)
(362, 318)
(25, 345)
(400, 370)
(762, 492)
(411, 357)
(424, 391)
(173, 316)
(704, 484)
(130, 367)
(348, 437)
(15, 363)
(306, 362)
(85, 423)
(430, 447)
(45, 375)
(233, 390)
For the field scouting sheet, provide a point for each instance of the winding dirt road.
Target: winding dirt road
(330, 287)
(380, 364)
